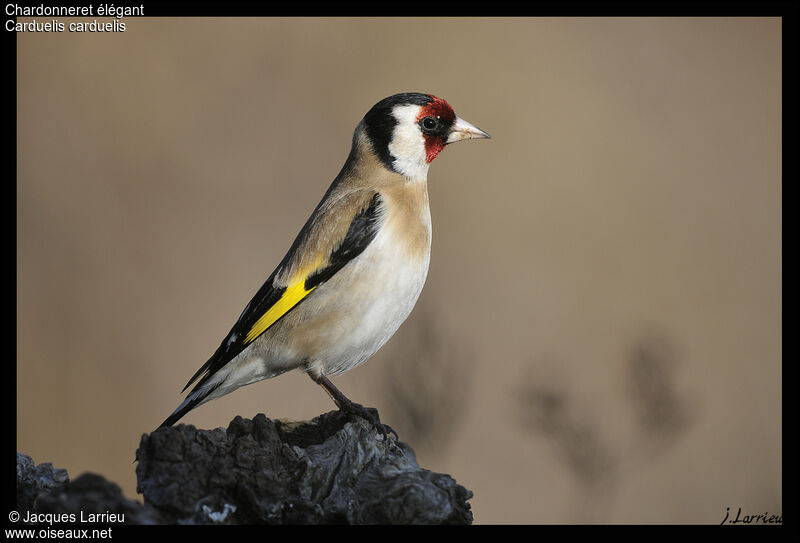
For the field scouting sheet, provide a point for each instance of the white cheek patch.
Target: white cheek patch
(407, 146)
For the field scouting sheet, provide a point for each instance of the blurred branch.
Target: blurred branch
(427, 382)
(662, 416)
(661, 412)
(548, 411)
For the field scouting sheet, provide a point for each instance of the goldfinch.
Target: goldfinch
(355, 270)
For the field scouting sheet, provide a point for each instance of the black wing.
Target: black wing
(360, 233)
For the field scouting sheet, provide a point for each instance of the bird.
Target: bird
(355, 270)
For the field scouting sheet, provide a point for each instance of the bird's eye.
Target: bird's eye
(428, 123)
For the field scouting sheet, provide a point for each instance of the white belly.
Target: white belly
(390, 283)
(346, 319)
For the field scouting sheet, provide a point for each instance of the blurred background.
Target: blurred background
(599, 337)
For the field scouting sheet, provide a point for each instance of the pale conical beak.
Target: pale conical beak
(462, 130)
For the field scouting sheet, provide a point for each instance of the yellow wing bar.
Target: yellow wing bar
(291, 296)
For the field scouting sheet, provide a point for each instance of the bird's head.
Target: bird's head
(407, 131)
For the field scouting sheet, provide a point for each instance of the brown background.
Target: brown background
(599, 338)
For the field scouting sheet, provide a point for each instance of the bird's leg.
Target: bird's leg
(346, 405)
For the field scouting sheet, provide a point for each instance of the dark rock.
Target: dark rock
(91, 494)
(43, 489)
(331, 470)
(33, 480)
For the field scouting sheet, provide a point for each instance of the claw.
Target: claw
(370, 414)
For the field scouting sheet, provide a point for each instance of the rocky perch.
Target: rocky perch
(330, 470)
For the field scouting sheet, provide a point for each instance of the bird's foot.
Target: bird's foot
(349, 407)
(370, 414)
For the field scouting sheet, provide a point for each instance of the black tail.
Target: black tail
(187, 405)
